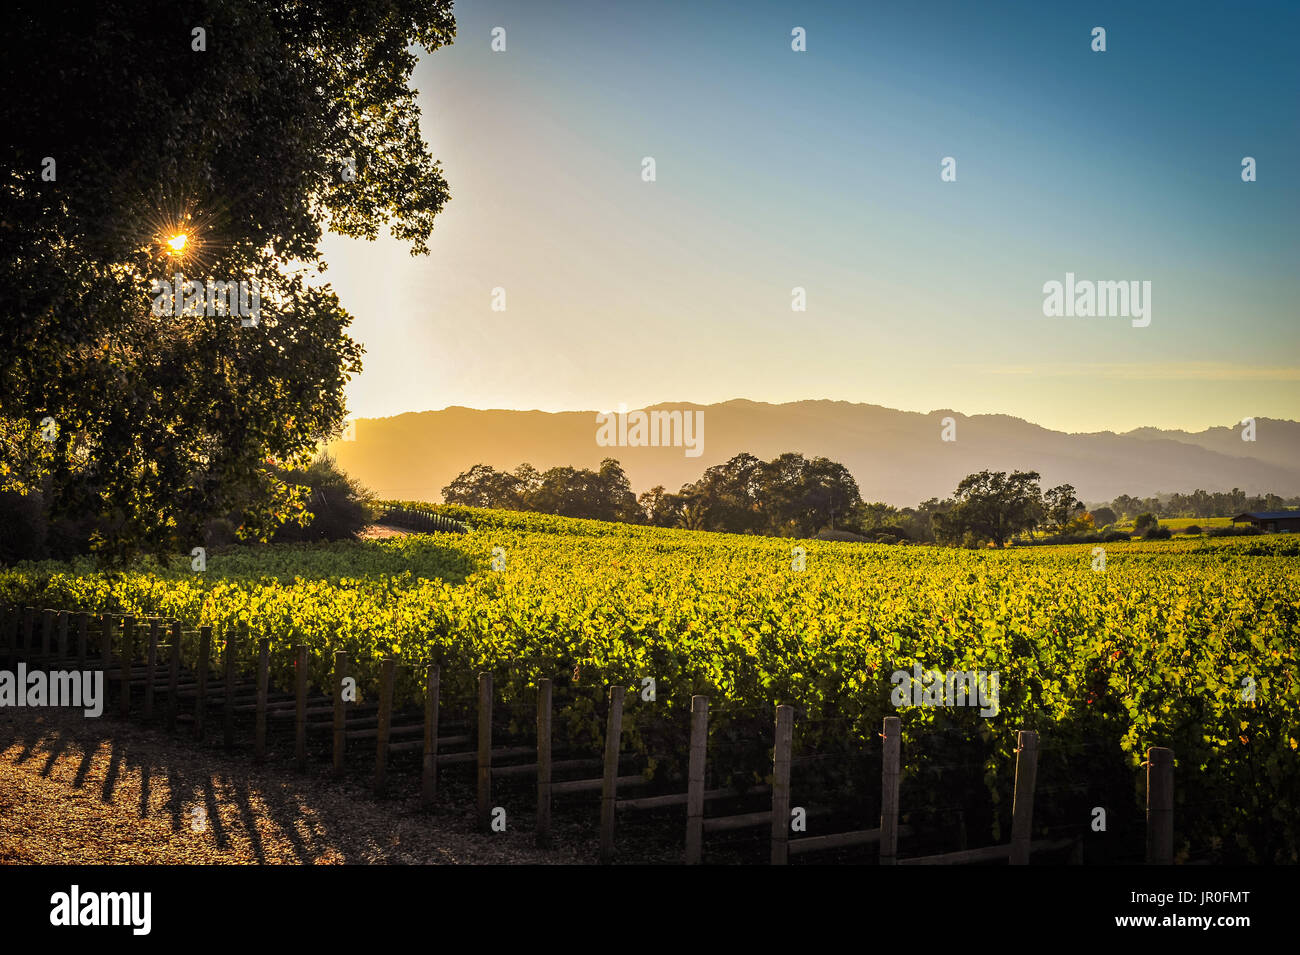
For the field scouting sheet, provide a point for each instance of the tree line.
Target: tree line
(1199, 503)
(788, 496)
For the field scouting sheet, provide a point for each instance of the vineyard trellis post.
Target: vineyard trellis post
(889, 773)
(1160, 806)
(300, 710)
(10, 631)
(173, 673)
(263, 688)
(781, 784)
(386, 674)
(484, 750)
(429, 764)
(83, 626)
(228, 703)
(1022, 806)
(609, 786)
(201, 694)
(47, 630)
(695, 779)
(340, 710)
(107, 624)
(151, 661)
(128, 651)
(29, 625)
(543, 762)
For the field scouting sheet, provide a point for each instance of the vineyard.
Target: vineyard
(1188, 644)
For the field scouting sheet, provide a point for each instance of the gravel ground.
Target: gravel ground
(380, 531)
(74, 790)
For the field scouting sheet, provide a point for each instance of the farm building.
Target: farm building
(1272, 521)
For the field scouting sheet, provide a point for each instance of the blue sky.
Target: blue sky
(820, 169)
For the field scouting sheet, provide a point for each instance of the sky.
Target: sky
(777, 169)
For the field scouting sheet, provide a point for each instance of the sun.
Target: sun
(178, 232)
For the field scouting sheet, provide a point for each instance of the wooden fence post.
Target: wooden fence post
(228, 706)
(340, 710)
(387, 671)
(29, 624)
(695, 779)
(781, 784)
(173, 674)
(63, 634)
(151, 661)
(9, 631)
(263, 688)
(47, 631)
(128, 651)
(1022, 806)
(485, 751)
(83, 627)
(609, 786)
(543, 762)
(201, 696)
(107, 626)
(300, 710)
(1160, 806)
(429, 769)
(889, 772)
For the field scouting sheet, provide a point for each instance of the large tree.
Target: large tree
(124, 127)
(787, 496)
(1060, 504)
(485, 486)
(991, 506)
(727, 496)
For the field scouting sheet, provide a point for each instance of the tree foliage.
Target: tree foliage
(164, 422)
(992, 506)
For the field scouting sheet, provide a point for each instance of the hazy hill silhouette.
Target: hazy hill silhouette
(896, 456)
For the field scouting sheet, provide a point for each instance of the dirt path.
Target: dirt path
(76, 790)
(380, 531)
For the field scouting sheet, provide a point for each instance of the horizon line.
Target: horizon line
(840, 401)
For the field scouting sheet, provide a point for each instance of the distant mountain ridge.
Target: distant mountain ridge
(896, 456)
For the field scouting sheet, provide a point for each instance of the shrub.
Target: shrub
(1145, 520)
(1157, 533)
(339, 505)
(1192, 529)
(1246, 530)
(838, 535)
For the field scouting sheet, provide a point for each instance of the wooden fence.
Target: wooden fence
(65, 638)
(416, 520)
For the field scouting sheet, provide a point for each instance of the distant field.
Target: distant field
(1179, 523)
